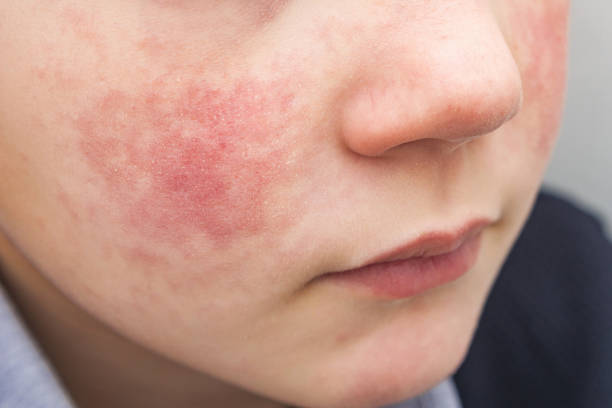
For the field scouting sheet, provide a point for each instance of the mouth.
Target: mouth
(433, 259)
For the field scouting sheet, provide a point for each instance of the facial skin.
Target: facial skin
(177, 173)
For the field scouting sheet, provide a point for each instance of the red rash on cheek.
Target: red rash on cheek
(197, 160)
(544, 31)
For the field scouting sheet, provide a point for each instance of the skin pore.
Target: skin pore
(178, 173)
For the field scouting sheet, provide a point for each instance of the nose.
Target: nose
(451, 79)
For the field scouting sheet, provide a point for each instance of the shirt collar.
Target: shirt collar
(27, 379)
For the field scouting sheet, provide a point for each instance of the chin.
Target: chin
(392, 365)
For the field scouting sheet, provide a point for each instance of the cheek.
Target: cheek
(197, 161)
(541, 32)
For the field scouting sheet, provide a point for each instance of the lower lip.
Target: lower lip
(409, 277)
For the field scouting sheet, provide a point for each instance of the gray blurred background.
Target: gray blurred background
(581, 165)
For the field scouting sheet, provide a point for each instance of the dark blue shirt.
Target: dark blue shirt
(545, 335)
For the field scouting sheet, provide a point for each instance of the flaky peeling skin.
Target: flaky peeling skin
(190, 160)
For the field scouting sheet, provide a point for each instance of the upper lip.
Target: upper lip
(433, 242)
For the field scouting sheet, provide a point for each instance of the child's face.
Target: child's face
(186, 169)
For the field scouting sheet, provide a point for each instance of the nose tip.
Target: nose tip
(382, 116)
(452, 96)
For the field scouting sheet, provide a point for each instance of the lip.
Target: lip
(433, 243)
(431, 260)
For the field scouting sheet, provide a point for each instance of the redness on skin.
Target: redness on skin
(544, 33)
(189, 159)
